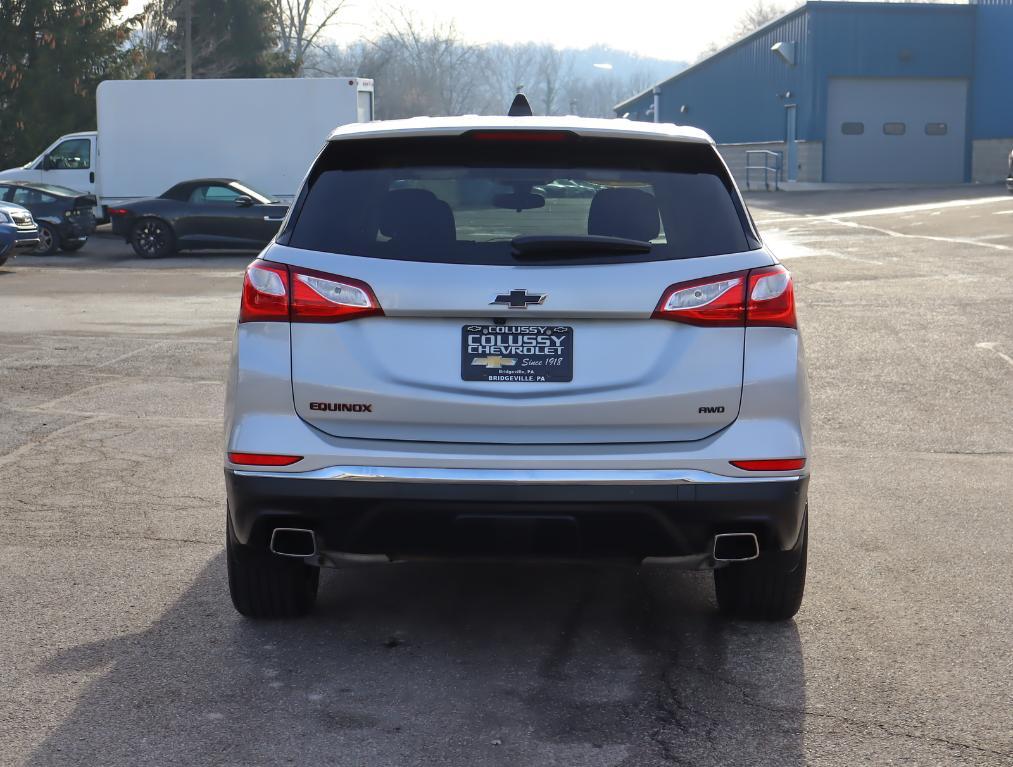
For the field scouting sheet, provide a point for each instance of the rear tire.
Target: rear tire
(153, 238)
(768, 589)
(266, 585)
(49, 240)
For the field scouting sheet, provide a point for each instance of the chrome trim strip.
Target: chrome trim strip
(515, 476)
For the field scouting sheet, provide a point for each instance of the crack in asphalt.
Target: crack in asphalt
(886, 727)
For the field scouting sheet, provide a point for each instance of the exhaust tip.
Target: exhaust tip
(293, 542)
(736, 547)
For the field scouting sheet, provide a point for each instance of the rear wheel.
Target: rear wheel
(49, 240)
(769, 588)
(152, 238)
(265, 585)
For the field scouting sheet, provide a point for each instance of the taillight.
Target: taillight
(320, 297)
(718, 300)
(265, 293)
(771, 298)
(774, 464)
(755, 298)
(118, 211)
(279, 293)
(263, 459)
(540, 136)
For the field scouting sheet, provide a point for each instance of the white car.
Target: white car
(433, 360)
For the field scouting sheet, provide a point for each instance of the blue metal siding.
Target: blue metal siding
(992, 93)
(734, 95)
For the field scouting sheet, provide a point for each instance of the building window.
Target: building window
(852, 129)
(894, 129)
(935, 129)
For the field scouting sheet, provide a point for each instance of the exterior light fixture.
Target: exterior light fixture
(786, 51)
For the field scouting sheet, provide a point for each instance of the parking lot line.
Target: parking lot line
(922, 207)
(148, 348)
(934, 238)
(990, 346)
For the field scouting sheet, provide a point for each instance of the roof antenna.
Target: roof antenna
(520, 107)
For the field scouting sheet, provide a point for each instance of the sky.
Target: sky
(676, 30)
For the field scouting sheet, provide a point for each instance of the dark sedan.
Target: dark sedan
(66, 217)
(203, 214)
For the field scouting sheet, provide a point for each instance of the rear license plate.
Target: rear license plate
(524, 353)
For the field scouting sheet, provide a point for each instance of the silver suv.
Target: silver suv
(436, 358)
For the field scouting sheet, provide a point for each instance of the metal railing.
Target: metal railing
(772, 163)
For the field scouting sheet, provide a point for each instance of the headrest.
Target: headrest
(418, 215)
(629, 213)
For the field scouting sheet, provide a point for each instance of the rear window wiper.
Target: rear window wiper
(550, 246)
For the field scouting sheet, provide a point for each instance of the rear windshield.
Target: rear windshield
(468, 199)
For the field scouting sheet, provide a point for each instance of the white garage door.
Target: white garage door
(895, 130)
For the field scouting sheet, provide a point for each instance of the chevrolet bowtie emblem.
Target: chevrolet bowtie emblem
(494, 361)
(519, 299)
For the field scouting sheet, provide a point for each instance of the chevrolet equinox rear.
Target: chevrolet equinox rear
(517, 338)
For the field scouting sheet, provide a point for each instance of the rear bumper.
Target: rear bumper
(121, 225)
(72, 229)
(618, 515)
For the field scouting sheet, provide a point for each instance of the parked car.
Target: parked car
(203, 214)
(567, 187)
(18, 231)
(65, 217)
(415, 378)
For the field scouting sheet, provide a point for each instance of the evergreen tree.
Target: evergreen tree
(229, 38)
(53, 55)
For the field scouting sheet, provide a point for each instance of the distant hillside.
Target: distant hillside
(625, 65)
(433, 74)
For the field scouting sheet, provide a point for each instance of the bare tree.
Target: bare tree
(425, 68)
(300, 24)
(759, 14)
(509, 69)
(429, 69)
(151, 35)
(553, 70)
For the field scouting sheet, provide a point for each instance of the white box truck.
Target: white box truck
(155, 133)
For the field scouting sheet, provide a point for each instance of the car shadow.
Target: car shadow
(443, 664)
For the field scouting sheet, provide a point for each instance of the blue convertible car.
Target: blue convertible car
(18, 231)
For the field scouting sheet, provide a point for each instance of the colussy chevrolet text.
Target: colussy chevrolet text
(436, 358)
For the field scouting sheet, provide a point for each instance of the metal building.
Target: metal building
(857, 92)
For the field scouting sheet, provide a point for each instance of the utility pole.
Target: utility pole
(187, 45)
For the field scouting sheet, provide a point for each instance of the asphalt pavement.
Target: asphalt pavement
(118, 644)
